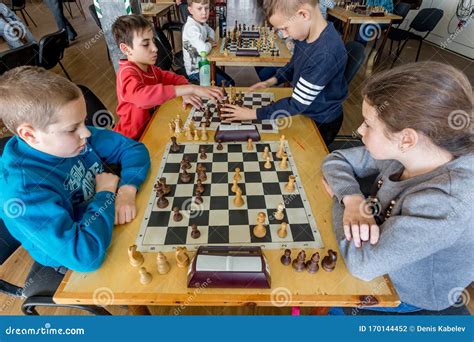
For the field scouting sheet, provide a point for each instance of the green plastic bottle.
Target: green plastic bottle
(204, 70)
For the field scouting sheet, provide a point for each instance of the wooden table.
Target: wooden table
(219, 59)
(158, 11)
(120, 281)
(352, 18)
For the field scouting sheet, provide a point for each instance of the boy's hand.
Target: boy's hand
(259, 85)
(357, 223)
(214, 93)
(193, 100)
(231, 113)
(327, 188)
(106, 182)
(125, 207)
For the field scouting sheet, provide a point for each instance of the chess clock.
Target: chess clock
(226, 133)
(229, 267)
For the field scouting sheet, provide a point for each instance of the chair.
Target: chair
(67, 5)
(23, 55)
(165, 54)
(355, 58)
(97, 114)
(20, 6)
(51, 50)
(177, 26)
(425, 21)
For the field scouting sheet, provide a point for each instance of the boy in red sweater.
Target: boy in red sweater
(141, 86)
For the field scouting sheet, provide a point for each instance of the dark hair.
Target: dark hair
(432, 98)
(125, 27)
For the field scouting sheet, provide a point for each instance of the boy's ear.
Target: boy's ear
(27, 133)
(125, 48)
(304, 13)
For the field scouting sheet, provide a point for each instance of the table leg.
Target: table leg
(347, 31)
(171, 32)
(379, 53)
(319, 311)
(138, 310)
(213, 71)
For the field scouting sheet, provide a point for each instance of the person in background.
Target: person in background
(56, 7)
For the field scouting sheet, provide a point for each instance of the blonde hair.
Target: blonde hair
(33, 95)
(205, 2)
(432, 98)
(286, 7)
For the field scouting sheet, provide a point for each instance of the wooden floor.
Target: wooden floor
(86, 62)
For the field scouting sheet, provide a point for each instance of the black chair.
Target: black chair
(424, 22)
(355, 58)
(20, 6)
(177, 26)
(23, 55)
(67, 5)
(51, 50)
(97, 113)
(166, 58)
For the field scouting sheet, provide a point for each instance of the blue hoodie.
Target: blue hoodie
(50, 204)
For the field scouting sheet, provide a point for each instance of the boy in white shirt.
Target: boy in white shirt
(198, 36)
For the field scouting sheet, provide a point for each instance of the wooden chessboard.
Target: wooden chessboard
(218, 219)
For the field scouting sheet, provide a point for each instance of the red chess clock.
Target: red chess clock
(229, 267)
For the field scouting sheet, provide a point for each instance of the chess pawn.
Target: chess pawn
(162, 263)
(177, 216)
(290, 186)
(286, 257)
(196, 135)
(204, 136)
(284, 161)
(195, 233)
(180, 122)
(237, 175)
(282, 231)
(260, 230)
(299, 263)
(266, 152)
(171, 127)
(189, 135)
(249, 144)
(182, 258)
(238, 199)
(312, 264)
(135, 257)
(174, 145)
(145, 277)
(268, 164)
(279, 213)
(234, 186)
(329, 261)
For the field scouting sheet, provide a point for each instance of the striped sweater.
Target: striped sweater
(316, 72)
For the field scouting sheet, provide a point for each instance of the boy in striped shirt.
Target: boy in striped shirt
(316, 69)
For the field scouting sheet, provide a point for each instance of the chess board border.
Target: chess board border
(273, 123)
(317, 243)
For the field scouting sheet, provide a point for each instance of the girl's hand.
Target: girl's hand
(359, 225)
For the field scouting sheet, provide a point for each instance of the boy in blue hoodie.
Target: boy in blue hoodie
(56, 198)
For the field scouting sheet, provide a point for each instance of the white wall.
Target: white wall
(446, 34)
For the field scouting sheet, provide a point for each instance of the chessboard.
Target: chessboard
(248, 44)
(207, 208)
(251, 100)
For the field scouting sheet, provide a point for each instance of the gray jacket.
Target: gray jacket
(427, 240)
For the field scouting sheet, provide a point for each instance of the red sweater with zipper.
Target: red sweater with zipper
(139, 92)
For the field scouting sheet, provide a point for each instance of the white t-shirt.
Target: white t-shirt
(195, 40)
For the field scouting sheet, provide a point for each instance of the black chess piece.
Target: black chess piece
(185, 177)
(200, 167)
(164, 187)
(202, 176)
(299, 263)
(329, 261)
(162, 201)
(185, 164)
(177, 216)
(312, 264)
(220, 147)
(199, 186)
(157, 186)
(198, 199)
(174, 145)
(286, 258)
(195, 233)
(278, 53)
(273, 53)
(203, 154)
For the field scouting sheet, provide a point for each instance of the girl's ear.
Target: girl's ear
(408, 139)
